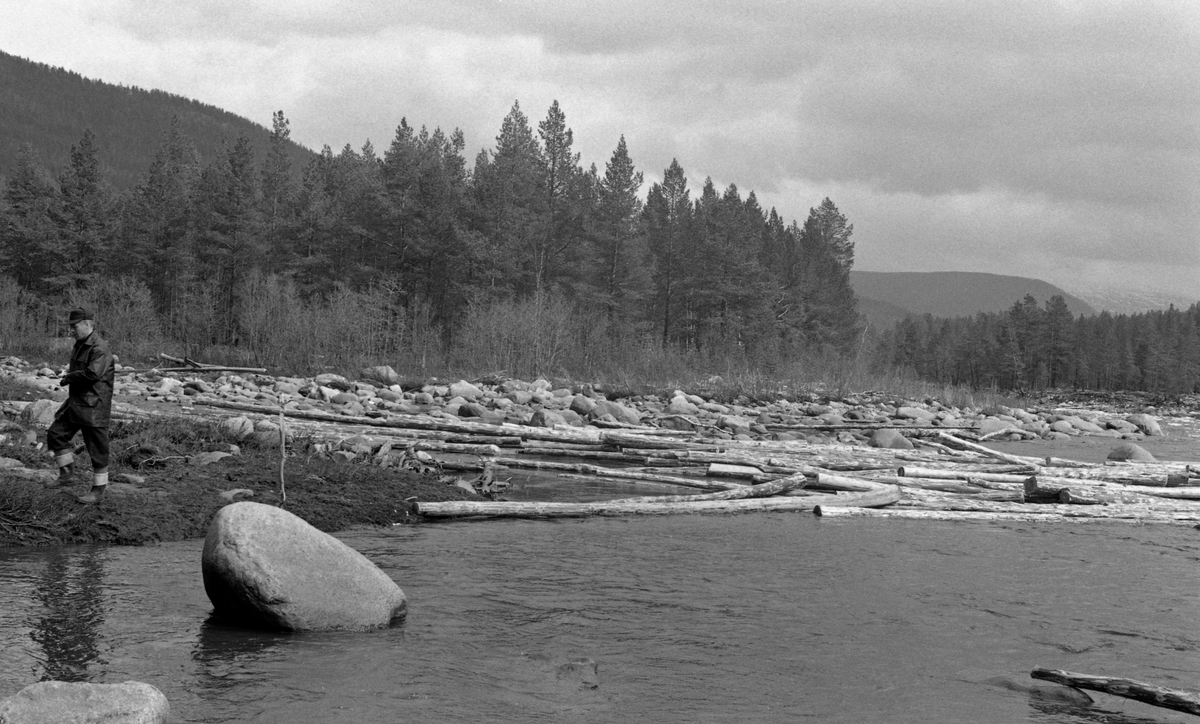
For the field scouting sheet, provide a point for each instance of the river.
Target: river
(755, 617)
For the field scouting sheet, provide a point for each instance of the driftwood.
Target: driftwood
(1176, 699)
(1048, 516)
(950, 477)
(450, 509)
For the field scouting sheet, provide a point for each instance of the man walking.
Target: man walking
(88, 408)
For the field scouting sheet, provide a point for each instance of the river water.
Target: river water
(755, 617)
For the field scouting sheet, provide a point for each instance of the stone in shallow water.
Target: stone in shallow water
(61, 702)
(1131, 451)
(267, 568)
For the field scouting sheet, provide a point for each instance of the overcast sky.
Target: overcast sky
(1057, 139)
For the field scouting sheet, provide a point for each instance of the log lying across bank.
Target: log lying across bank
(1176, 699)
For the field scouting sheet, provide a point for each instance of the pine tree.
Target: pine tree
(155, 239)
(278, 189)
(511, 202)
(619, 280)
(565, 203)
(829, 309)
(83, 217)
(668, 218)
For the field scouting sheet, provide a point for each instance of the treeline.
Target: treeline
(223, 253)
(1030, 347)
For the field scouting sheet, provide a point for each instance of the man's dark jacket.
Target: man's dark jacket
(90, 381)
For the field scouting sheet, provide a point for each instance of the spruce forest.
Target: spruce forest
(519, 261)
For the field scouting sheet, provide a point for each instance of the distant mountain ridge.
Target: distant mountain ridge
(1128, 301)
(887, 297)
(49, 108)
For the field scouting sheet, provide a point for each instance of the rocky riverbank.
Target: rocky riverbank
(853, 419)
(366, 450)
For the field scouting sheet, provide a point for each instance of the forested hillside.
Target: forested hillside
(1037, 347)
(48, 108)
(521, 257)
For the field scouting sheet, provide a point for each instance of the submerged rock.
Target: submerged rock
(266, 568)
(132, 702)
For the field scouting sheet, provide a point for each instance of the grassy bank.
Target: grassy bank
(173, 499)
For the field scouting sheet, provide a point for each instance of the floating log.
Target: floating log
(461, 508)
(1176, 699)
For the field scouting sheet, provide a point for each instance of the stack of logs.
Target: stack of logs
(945, 477)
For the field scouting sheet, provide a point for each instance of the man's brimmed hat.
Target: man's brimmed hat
(78, 315)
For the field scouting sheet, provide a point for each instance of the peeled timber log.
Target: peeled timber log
(749, 491)
(649, 479)
(1176, 699)
(886, 495)
(1014, 459)
(834, 511)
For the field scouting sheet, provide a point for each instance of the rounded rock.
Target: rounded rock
(267, 568)
(890, 438)
(1131, 452)
(131, 702)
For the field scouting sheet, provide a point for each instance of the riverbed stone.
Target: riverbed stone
(1131, 452)
(237, 428)
(62, 702)
(380, 373)
(1147, 424)
(1064, 427)
(267, 568)
(336, 382)
(619, 412)
(990, 425)
(681, 405)
(919, 414)
(466, 390)
(542, 417)
(582, 405)
(889, 438)
(39, 413)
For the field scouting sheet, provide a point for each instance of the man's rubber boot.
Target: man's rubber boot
(93, 496)
(99, 485)
(65, 475)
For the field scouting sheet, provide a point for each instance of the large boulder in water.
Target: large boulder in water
(266, 568)
(132, 702)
